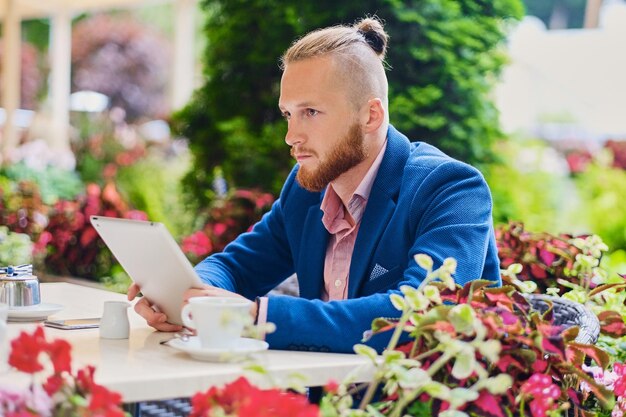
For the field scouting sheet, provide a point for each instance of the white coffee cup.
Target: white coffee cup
(218, 321)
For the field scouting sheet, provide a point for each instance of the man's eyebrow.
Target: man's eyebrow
(300, 105)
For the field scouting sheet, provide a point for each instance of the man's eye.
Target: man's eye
(311, 112)
(286, 115)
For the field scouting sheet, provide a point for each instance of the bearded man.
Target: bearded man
(361, 201)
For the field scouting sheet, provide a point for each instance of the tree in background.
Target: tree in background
(31, 77)
(443, 57)
(120, 57)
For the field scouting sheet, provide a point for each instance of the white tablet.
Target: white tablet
(153, 260)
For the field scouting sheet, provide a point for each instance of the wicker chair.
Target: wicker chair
(569, 313)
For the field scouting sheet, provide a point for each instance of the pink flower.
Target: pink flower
(544, 394)
(197, 244)
(620, 382)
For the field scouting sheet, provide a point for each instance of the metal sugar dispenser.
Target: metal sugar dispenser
(18, 286)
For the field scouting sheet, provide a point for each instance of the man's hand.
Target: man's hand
(209, 291)
(154, 318)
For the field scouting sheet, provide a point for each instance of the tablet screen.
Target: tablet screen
(153, 260)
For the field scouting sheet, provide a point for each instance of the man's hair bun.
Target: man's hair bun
(372, 30)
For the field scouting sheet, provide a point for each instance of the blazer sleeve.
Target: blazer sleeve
(255, 262)
(449, 216)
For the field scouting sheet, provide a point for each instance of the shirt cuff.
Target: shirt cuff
(262, 313)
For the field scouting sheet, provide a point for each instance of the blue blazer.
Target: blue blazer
(422, 201)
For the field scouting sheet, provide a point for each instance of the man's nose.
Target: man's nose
(293, 136)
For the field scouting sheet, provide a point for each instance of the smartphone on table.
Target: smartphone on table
(72, 324)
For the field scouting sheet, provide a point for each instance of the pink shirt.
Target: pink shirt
(343, 236)
(342, 233)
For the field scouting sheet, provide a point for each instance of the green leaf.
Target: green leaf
(424, 261)
(453, 413)
(437, 390)
(398, 301)
(414, 378)
(496, 385)
(417, 301)
(449, 265)
(490, 349)
(366, 351)
(391, 356)
(382, 324)
(514, 268)
(464, 363)
(259, 369)
(462, 317)
(460, 396)
(432, 293)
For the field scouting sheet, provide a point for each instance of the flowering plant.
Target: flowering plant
(72, 242)
(62, 393)
(474, 351)
(227, 218)
(241, 399)
(570, 267)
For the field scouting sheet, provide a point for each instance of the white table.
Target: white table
(141, 369)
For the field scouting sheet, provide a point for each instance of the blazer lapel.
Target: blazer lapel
(380, 207)
(312, 254)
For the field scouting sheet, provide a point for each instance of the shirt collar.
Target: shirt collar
(331, 203)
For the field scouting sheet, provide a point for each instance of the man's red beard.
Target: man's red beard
(346, 154)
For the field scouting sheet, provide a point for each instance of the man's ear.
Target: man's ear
(373, 115)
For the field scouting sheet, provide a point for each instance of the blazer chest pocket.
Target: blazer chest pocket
(382, 279)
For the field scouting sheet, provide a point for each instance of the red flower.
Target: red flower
(242, 399)
(105, 403)
(331, 387)
(25, 350)
(60, 354)
(84, 378)
(53, 384)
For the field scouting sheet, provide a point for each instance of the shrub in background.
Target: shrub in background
(152, 185)
(100, 148)
(443, 58)
(121, 58)
(21, 207)
(74, 247)
(531, 184)
(15, 248)
(31, 77)
(53, 183)
(226, 219)
(602, 189)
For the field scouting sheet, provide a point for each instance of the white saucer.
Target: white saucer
(244, 346)
(37, 312)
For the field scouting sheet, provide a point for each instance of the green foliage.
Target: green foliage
(15, 248)
(152, 185)
(523, 190)
(603, 188)
(443, 57)
(53, 183)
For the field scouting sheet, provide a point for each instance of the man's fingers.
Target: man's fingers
(132, 292)
(153, 318)
(167, 327)
(209, 291)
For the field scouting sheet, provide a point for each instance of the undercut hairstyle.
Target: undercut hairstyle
(359, 52)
